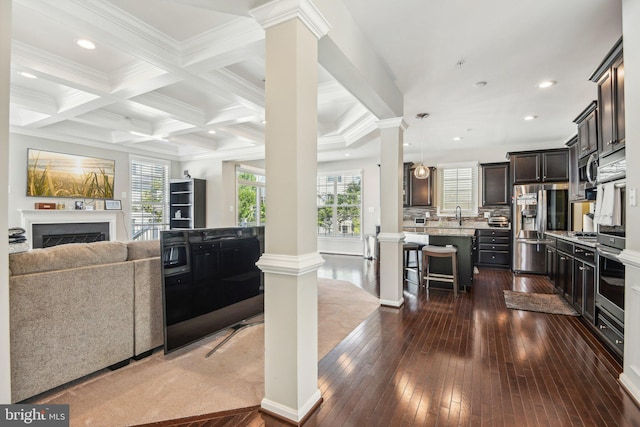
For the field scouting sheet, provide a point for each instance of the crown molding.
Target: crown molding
(224, 38)
(33, 100)
(362, 127)
(396, 122)
(279, 11)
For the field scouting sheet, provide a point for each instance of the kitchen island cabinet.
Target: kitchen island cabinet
(461, 238)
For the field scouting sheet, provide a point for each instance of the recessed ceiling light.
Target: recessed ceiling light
(529, 118)
(545, 84)
(264, 122)
(347, 154)
(481, 83)
(406, 144)
(212, 132)
(28, 75)
(457, 138)
(86, 44)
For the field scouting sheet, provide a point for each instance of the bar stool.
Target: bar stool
(429, 251)
(407, 249)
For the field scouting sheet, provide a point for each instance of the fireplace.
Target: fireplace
(45, 228)
(47, 235)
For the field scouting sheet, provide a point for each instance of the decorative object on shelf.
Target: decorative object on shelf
(45, 205)
(186, 174)
(421, 172)
(112, 205)
(79, 205)
(61, 206)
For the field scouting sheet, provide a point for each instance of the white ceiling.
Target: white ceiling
(174, 69)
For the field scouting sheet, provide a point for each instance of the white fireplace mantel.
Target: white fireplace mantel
(50, 216)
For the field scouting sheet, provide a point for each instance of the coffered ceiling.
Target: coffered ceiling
(185, 78)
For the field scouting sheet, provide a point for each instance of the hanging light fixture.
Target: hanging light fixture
(421, 172)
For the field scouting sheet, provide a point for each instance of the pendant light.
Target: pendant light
(421, 172)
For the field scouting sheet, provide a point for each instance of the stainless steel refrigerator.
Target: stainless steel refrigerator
(537, 208)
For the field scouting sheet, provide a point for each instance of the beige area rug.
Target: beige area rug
(186, 383)
(542, 303)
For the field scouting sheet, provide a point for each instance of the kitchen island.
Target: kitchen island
(461, 238)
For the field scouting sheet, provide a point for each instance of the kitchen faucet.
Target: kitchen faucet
(459, 218)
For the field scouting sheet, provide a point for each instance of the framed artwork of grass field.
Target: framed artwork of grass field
(51, 174)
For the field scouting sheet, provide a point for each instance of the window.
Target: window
(149, 201)
(339, 205)
(250, 184)
(457, 186)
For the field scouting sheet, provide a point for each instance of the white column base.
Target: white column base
(394, 304)
(630, 387)
(290, 413)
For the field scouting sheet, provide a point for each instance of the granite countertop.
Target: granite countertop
(566, 235)
(430, 226)
(442, 231)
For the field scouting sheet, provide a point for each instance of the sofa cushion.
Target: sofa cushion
(73, 255)
(142, 249)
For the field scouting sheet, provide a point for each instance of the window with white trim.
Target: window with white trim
(458, 186)
(148, 198)
(339, 205)
(252, 196)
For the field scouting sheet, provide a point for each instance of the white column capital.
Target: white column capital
(396, 122)
(279, 11)
(391, 237)
(290, 265)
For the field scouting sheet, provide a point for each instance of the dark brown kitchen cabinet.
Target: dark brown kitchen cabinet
(587, 130)
(584, 282)
(540, 166)
(496, 189)
(610, 78)
(551, 265)
(564, 270)
(406, 183)
(421, 190)
(494, 248)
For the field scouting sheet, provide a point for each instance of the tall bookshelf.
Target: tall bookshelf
(187, 203)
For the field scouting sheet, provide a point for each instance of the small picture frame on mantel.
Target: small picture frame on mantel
(112, 205)
(79, 205)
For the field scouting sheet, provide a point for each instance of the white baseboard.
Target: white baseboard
(290, 413)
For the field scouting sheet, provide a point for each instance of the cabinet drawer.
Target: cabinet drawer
(493, 233)
(564, 246)
(585, 254)
(498, 240)
(494, 257)
(611, 332)
(494, 247)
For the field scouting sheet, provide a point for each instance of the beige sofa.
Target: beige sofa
(79, 308)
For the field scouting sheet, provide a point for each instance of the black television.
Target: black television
(210, 281)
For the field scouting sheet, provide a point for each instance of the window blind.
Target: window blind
(148, 197)
(458, 187)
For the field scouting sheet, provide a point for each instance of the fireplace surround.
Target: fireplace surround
(100, 224)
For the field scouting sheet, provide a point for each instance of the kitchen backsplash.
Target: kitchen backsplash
(409, 214)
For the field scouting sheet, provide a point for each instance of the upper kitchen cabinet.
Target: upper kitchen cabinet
(540, 166)
(610, 78)
(587, 131)
(496, 188)
(421, 191)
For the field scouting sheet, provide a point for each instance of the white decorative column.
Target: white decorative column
(5, 60)
(391, 236)
(291, 259)
(630, 377)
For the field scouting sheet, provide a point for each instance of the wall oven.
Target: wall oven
(610, 283)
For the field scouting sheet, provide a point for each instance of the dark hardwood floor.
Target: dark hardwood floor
(440, 361)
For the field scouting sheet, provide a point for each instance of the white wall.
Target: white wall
(630, 377)
(18, 176)
(5, 45)
(221, 189)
